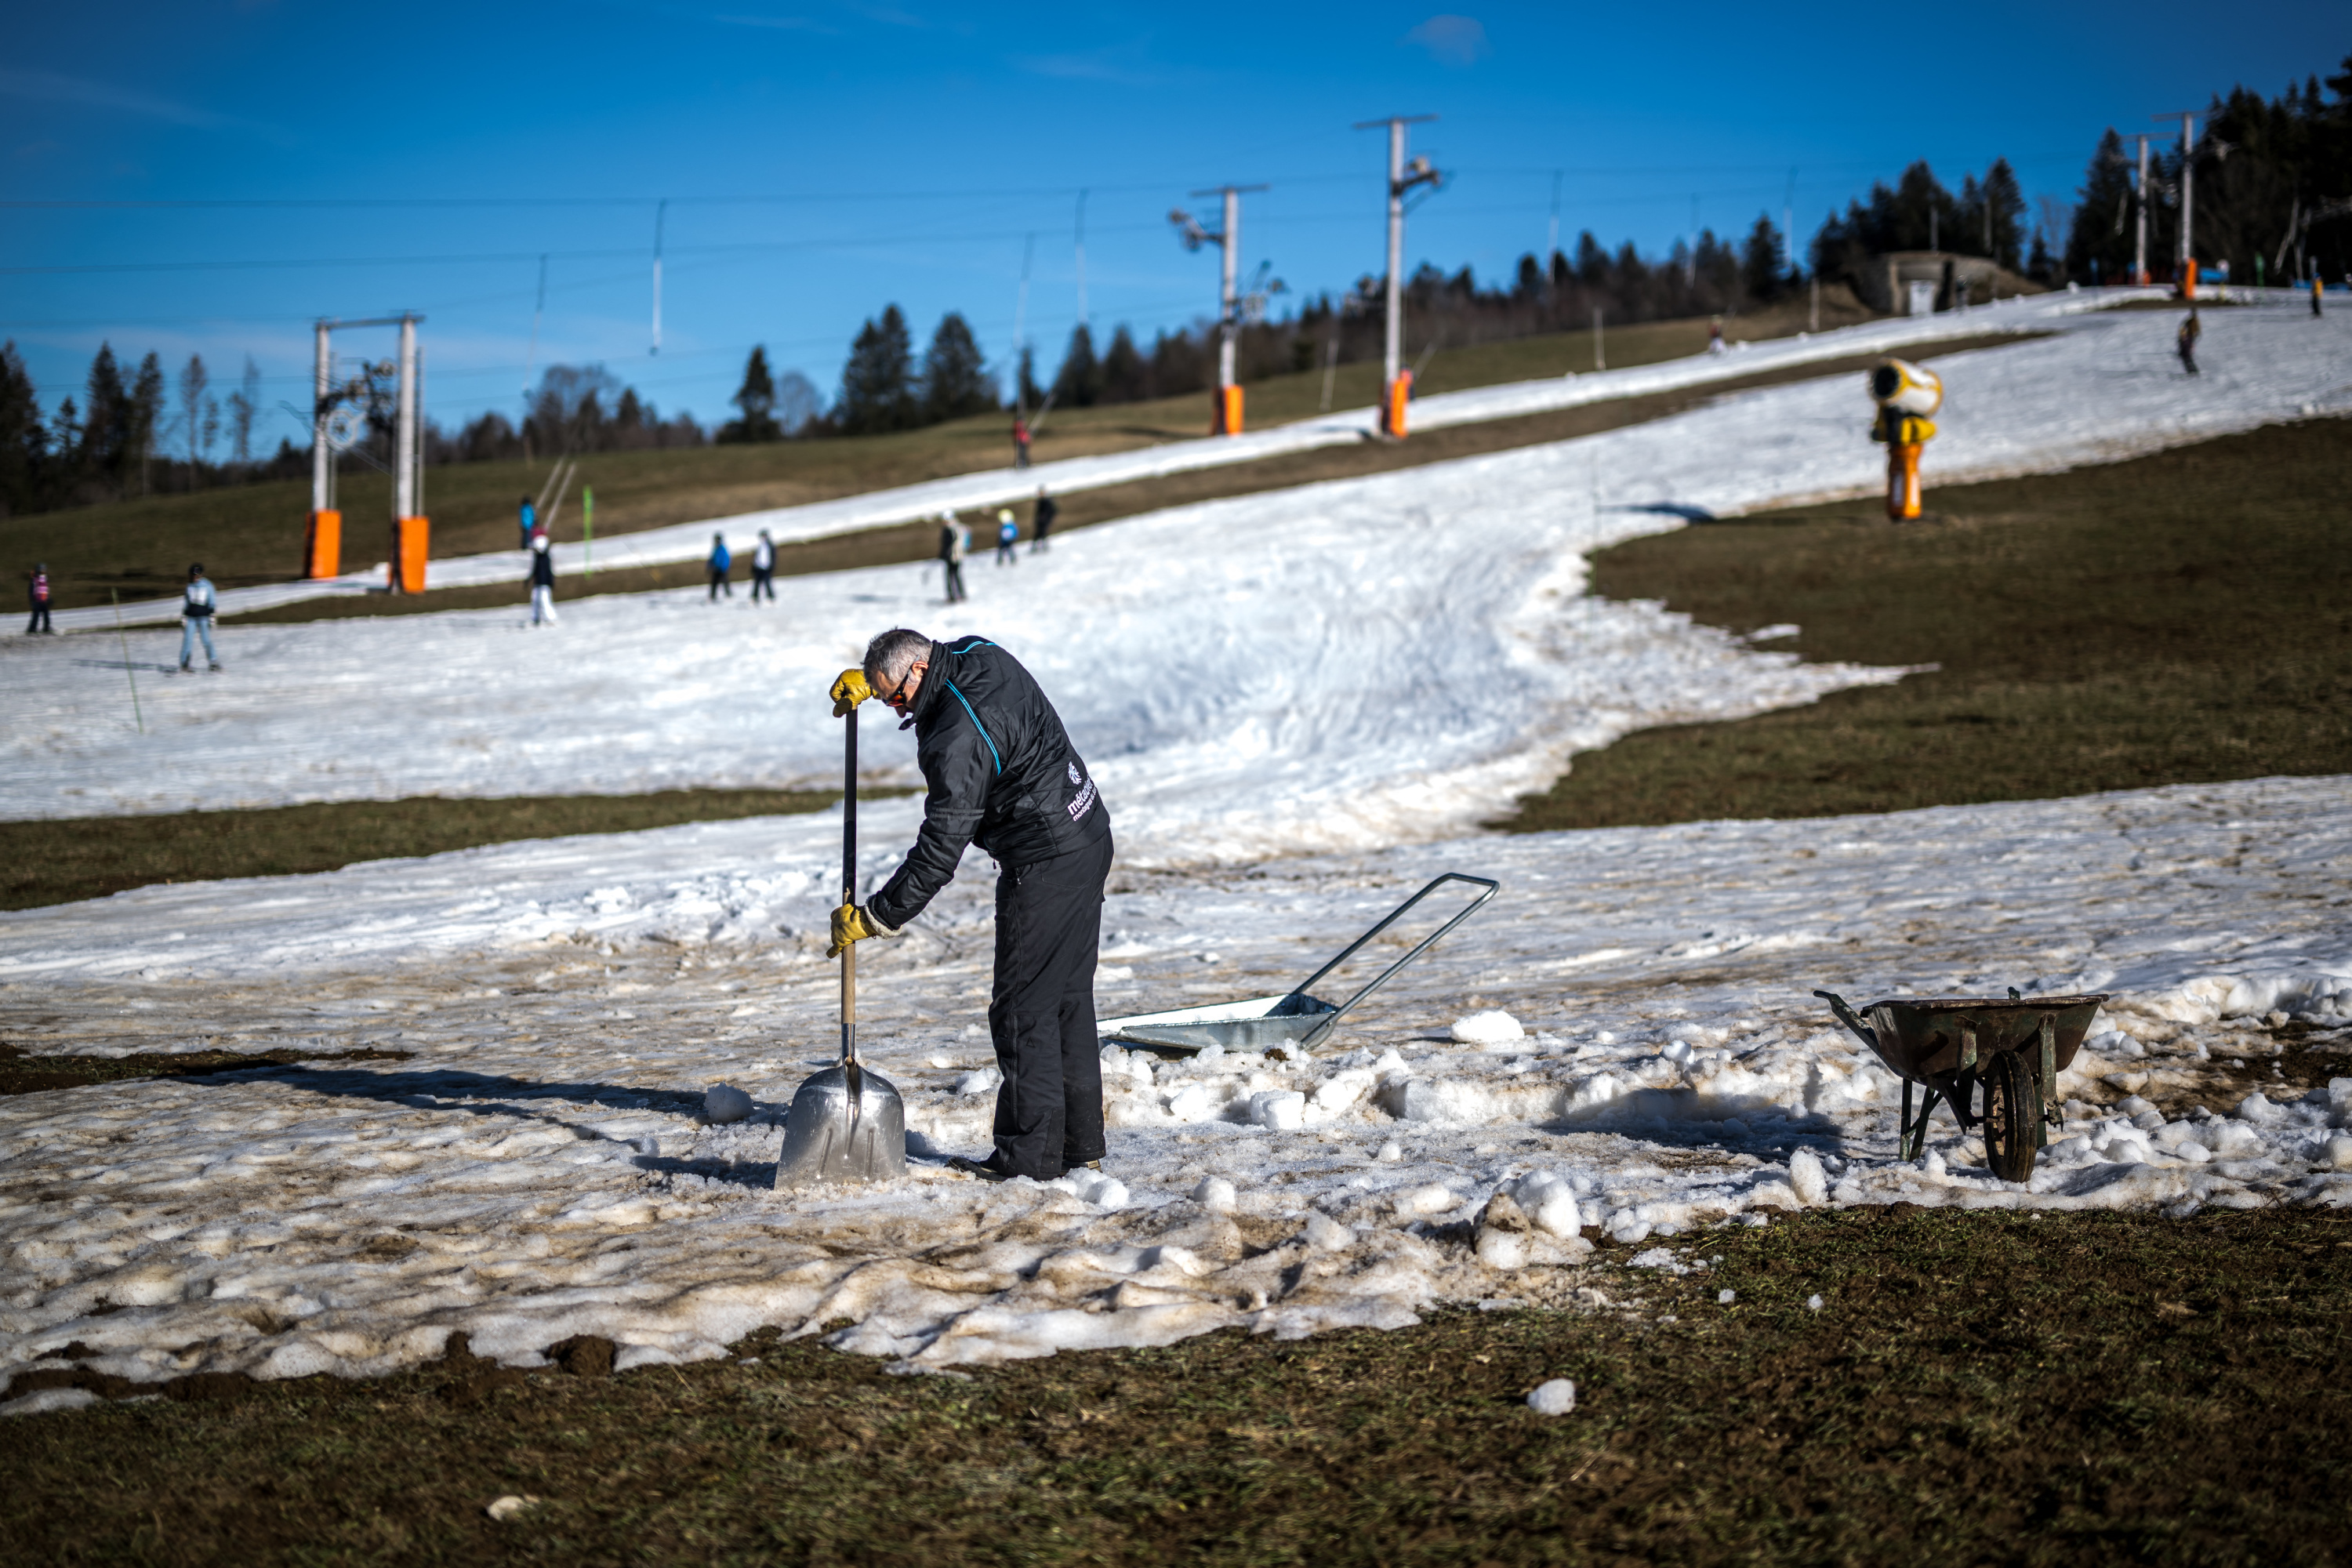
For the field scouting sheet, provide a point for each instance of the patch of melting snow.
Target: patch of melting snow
(537, 1168)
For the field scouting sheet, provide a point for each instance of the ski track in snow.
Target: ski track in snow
(1343, 674)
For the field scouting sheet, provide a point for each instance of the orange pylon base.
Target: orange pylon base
(410, 540)
(1903, 497)
(323, 551)
(1393, 408)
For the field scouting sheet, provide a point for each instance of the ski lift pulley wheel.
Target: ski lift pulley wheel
(1297, 1019)
(345, 426)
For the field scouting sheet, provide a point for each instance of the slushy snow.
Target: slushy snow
(1317, 696)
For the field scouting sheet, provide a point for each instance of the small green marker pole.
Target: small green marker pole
(587, 532)
(128, 673)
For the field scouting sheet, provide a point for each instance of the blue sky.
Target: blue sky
(821, 160)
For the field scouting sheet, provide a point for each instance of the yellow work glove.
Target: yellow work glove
(850, 924)
(848, 691)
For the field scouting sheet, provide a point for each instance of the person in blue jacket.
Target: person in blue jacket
(528, 517)
(719, 562)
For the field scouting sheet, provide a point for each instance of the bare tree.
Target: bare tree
(193, 382)
(244, 406)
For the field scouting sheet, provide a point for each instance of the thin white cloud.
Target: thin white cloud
(53, 87)
(1121, 64)
(1451, 40)
(777, 24)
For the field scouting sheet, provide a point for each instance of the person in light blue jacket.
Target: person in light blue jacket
(197, 603)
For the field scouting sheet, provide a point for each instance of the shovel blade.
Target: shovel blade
(841, 1130)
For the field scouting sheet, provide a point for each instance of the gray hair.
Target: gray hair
(891, 654)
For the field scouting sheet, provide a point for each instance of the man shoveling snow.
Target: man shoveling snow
(1000, 773)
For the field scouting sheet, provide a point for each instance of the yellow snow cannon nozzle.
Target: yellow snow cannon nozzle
(1908, 396)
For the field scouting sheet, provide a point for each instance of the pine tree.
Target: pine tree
(877, 389)
(103, 452)
(24, 444)
(1760, 265)
(2102, 231)
(1125, 377)
(2002, 193)
(146, 413)
(1078, 384)
(1592, 261)
(757, 398)
(955, 376)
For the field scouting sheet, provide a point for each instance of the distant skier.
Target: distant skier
(719, 562)
(952, 550)
(543, 582)
(1020, 441)
(1042, 521)
(527, 516)
(763, 568)
(2186, 341)
(1714, 336)
(197, 603)
(1008, 538)
(2315, 291)
(37, 587)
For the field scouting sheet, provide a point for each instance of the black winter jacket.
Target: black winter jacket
(1002, 774)
(542, 568)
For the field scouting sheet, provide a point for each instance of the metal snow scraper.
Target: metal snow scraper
(1294, 1020)
(847, 1123)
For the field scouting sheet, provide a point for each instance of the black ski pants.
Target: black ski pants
(764, 581)
(40, 621)
(1049, 1114)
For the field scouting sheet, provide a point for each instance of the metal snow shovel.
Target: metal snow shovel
(847, 1123)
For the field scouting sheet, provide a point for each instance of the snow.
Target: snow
(1557, 1397)
(1354, 675)
(1009, 487)
(1342, 664)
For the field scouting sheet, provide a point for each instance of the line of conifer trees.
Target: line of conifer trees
(2272, 190)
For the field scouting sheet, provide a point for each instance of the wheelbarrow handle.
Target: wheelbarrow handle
(1845, 1016)
(1418, 949)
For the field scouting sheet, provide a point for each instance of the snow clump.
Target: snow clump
(1492, 1028)
(1215, 1193)
(1557, 1397)
(723, 1103)
(1807, 1178)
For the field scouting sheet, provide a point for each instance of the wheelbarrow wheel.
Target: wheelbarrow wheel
(2010, 1112)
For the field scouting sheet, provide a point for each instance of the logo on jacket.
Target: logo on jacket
(1074, 773)
(1084, 803)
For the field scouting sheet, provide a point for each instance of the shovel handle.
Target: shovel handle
(849, 886)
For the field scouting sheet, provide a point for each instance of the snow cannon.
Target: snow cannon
(1906, 395)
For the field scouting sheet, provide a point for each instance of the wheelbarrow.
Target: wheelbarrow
(1953, 1046)
(1295, 1020)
